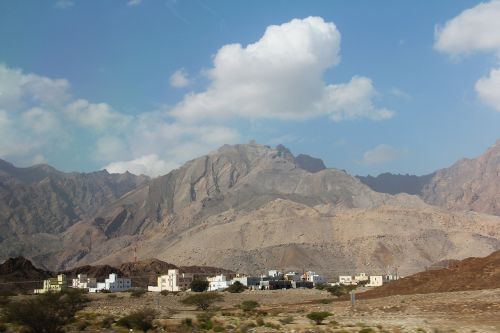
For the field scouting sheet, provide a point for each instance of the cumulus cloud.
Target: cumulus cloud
(381, 154)
(475, 30)
(150, 165)
(18, 89)
(179, 79)
(281, 76)
(488, 89)
(97, 116)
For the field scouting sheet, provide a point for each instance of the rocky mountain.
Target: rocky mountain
(469, 184)
(22, 272)
(395, 183)
(41, 199)
(251, 207)
(467, 274)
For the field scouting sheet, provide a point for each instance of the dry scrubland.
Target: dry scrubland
(286, 311)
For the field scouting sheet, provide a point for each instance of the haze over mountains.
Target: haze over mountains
(251, 207)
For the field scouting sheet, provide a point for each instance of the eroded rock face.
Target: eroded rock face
(469, 184)
(245, 207)
(309, 163)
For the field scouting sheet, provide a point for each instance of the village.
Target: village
(175, 281)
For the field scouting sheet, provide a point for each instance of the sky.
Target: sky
(145, 85)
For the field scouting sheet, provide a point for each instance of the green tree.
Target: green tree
(236, 287)
(202, 300)
(249, 305)
(47, 313)
(139, 320)
(318, 317)
(199, 285)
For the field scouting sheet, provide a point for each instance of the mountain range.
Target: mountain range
(251, 207)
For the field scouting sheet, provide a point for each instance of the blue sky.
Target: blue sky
(88, 84)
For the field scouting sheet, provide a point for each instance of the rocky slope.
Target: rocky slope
(469, 184)
(252, 207)
(394, 183)
(467, 274)
(43, 199)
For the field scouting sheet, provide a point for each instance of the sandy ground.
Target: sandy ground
(471, 311)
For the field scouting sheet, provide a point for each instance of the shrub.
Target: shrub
(164, 292)
(236, 287)
(139, 320)
(286, 320)
(7, 293)
(205, 320)
(3, 327)
(137, 292)
(248, 306)
(366, 330)
(318, 317)
(199, 285)
(107, 322)
(112, 296)
(202, 300)
(320, 286)
(45, 313)
(82, 325)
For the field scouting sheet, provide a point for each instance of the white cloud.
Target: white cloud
(97, 116)
(488, 89)
(41, 121)
(134, 2)
(18, 90)
(381, 154)
(111, 148)
(150, 165)
(281, 76)
(39, 159)
(63, 4)
(353, 100)
(475, 30)
(179, 79)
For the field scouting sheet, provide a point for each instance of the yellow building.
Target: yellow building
(53, 285)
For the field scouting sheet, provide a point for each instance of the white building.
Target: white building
(53, 285)
(274, 273)
(173, 281)
(248, 281)
(84, 282)
(293, 276)
(362, 277)
(113, 284)
(314, 278)
(375, 281)
(346, 280)
(218, 282)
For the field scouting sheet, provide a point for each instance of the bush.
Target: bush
(199, 285)
(286, 320)
(318, 317)
(202, 300)
(205, 321)
(138, 292)
(139, 320)
(236, 287)
(82, 325)
(164, 292)
(320, 286)
(47, 313)
(249, 306)
(107, 322)
(340, 290)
